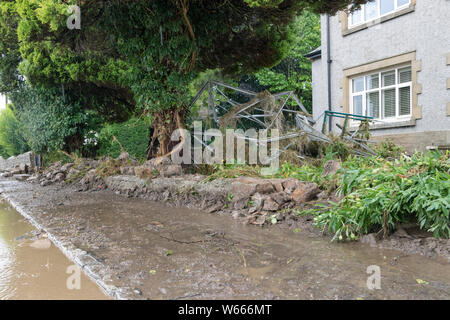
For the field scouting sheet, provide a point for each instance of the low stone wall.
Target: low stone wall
(13, 162)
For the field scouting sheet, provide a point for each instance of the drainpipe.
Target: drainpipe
(329, 70)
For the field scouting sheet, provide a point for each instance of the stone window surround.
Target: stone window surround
(447, 61)
(389, 63)
(346, 30)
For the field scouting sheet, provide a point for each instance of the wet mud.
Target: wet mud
(139, 249)
(31, 267)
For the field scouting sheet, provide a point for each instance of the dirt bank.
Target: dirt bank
(139, 249)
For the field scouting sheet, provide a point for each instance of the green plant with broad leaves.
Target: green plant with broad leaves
(377, 194)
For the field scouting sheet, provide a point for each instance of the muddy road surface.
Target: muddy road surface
(145, 250)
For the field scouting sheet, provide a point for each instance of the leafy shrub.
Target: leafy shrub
(131, 136)
(49, 119)
(378, 193)
(11, 138)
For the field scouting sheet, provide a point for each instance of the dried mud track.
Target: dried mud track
(138, 249)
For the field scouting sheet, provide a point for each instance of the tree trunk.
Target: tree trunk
(164, 124)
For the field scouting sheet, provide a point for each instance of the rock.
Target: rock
(260, 219)
(306, 191)
(322, 195)
(280, 197)
(257, 201)
(46, 183)
(270, 205)
(59, 177)
(35, 177)
(89, 178)
(127, 171)
(331, 167)
(124, 156)
(401, 233)
(290, 185)
(253, 210)
(16, 171)
(243, 187)
(240, 204)
(22, 177)
(171, 170)
(277, 184)
(237, 214)
(72, 173)
(7, 174)
(265, 187)
(215, 207)
(66, 167)
(23, 168)
(41, 244)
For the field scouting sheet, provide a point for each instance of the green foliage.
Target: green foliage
(49, 158)
(233, 170)
(294, 73)
(51, 120)
(388, 149)
(11, 137)
(3, 152)
(132, 136)
(9, 47)
(379, 193)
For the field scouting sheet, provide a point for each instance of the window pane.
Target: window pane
(357, 105)
(387, 6)
(373, 81)
(388, 78)
(404, 75)
(371, 10)
(405, 101)
(389, 103)
(373, 105)
(402, 2)
(356, 16)
(358, 84)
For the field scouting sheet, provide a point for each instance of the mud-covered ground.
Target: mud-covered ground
(139, 249)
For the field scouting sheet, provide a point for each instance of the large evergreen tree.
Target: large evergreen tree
(144, 53)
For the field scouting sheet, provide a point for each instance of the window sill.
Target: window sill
(390, 125)
(385, 18)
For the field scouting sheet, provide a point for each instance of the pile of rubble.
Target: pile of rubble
(90, 174)
(253, 200)
(259, 201)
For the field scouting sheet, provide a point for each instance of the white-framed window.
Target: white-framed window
(375, 9)
(385, 95)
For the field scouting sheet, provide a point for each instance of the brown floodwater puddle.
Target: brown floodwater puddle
(177, 253)
(35, 268)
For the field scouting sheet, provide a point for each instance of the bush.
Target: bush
(388, 149)
(12, 141)
(50, 120)
(378, 194)
(131, 136)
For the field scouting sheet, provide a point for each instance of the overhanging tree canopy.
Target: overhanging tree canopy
(147, 52)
